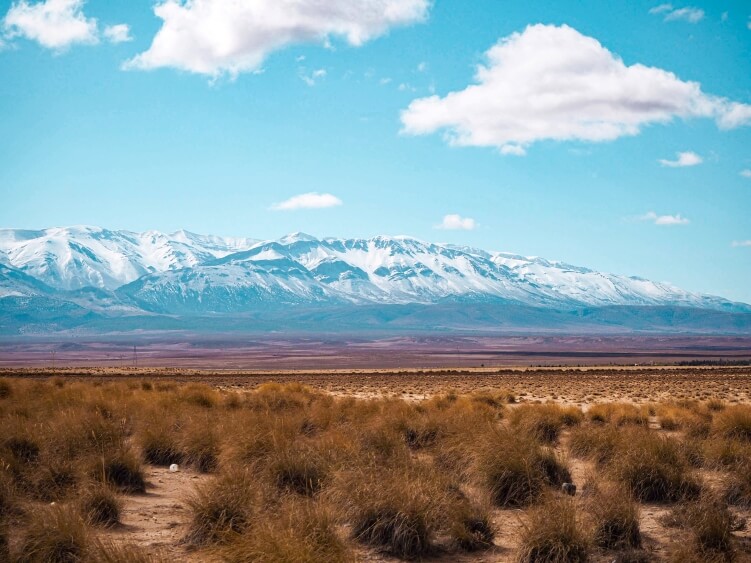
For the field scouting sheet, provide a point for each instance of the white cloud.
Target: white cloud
(664, 220)
(661, 9)
(746, 173)
(314, 76)
(738, 243)
(422, 67)
(553, 83)
(311, 200)
(683, 159)
(213, 37)
(55, 24)
(454, 222)
(119, 33)
(689, 13)
(515, 150)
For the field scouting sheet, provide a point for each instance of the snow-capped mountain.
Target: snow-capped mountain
(78, 257)
(122, 273)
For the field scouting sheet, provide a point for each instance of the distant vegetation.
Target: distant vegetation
(286, 473)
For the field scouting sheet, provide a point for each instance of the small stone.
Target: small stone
(173, 468)
(569, 489)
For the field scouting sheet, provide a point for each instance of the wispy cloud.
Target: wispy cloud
(664, 220)
(119, 33)
(689, 14)
(746, 173)
(454, 222)
(683, 159)
(554, 83)
(311, 200)
(738, 243)
(313, 77)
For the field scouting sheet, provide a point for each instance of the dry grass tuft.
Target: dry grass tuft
(222, 509)
(615, 519)
(100, 506)
(516, 469)
(54, 534)
(554, 534)
(299, 531)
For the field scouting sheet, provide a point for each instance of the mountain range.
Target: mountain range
(100, 280)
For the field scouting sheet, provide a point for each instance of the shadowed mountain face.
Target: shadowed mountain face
(89, 273)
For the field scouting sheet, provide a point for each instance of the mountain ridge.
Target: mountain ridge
(111, 273)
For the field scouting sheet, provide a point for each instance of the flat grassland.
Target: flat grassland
(376, 465)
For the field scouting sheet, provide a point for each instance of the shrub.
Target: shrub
(516, 470)
(160, 445)
(653, 468)
(397, 509)
(596, 443)
(615, 519)
(100, 506)
(54, 534)
(554, 534)
(471, 527)
(711, 525)
(302, 533)
(200, 444)
(734, 422)
(6, 390)
(110, 552)
(122, 470)
(299, 470)
(221, 509)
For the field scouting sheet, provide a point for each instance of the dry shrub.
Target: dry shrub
(516, 469)
(222, 508)
(54, 534)
(653, 468)
(619, 414)
(6, 389)
(734, 422)
(55, 479)
(200, 395)
(738, 487)
(711, 525)
(302, 470)
(299, 531)
(160, 443)
(110, 552)
(201, 445)
(544, 422)
(615, 519)
(121, 469)
(722, 453)
(597, 443)
(100, 506)
(471, 526)
(554, 534)
(402, 509)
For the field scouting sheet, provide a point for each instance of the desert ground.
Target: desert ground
(443, 464)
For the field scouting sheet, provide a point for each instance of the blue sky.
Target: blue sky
(139, 129)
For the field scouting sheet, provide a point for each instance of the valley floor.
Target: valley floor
(376, 465)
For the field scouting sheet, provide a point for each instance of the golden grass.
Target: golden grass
(293, 474)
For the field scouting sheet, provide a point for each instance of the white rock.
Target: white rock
(173, 468)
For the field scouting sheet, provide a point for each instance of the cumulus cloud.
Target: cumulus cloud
(689, 13)
(746, 173)
(737, 243)
(682, 160)
(119, 33)
(311, 200)
(213, 37)
(553, 83)
(55, 24)
(454, 222)
(664, 220)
